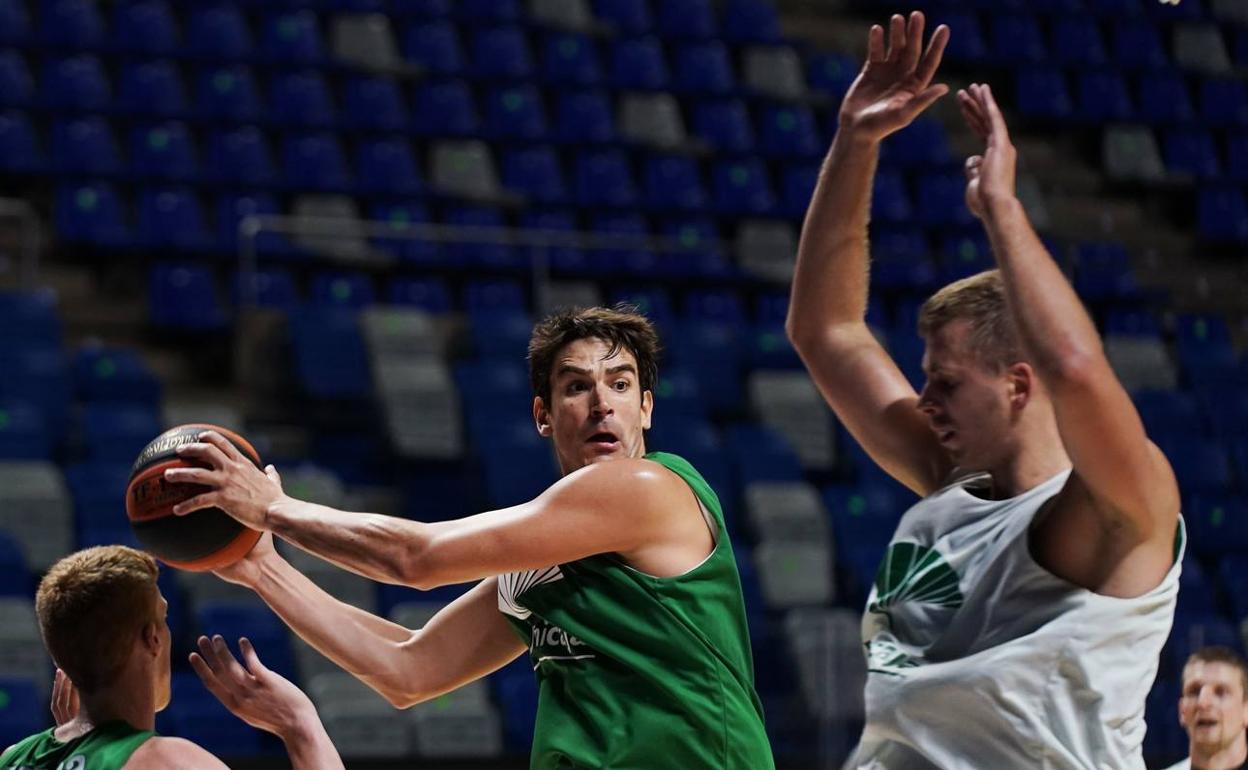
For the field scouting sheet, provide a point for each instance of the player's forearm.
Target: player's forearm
(309, 746)
(1055, 329)
(375, 546)
(830, 282)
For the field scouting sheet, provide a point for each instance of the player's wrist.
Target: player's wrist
(1001, 206)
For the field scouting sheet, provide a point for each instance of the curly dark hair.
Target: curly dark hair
(620, 326)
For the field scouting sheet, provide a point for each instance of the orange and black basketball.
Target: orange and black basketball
(205, 540)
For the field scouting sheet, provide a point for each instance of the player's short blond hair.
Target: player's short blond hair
(92, 605)
(1219, 654)
(980, 299)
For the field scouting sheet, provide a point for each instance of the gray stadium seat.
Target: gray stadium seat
(366, 41)
(827, 646)
(360, 722)
(178, 412)
(1141, 363)
(562, 294)
(1200, 47)
(1131, 153)
(465, 169)
(391, 332)
(314, 484)
(446, 733)
(786, 512)
(795, 574)
(564, 14)
(36, 511)
(775, 71)
(767, 249)
(21, 646)
(421, 406)
(343, 240)
(652, 119)
(788, 402)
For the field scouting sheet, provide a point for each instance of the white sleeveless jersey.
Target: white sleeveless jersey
(981, 659)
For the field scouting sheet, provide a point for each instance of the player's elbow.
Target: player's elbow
(418, 562)
(1076, 367)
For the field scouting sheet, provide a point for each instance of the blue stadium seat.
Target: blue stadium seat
(314, 161)
(85, 146)
(164, 151)
(115, 374)
(401, 216)
(269, 288)
(1224, 102)
(674, 181)
(1103, 272)
(495, 296)
(234, 207)
(501, 334)
(144, 27)
(966, 39)
(901, 259)
(486, 11)
(570, 58)
(171, 217)
(701, 254)
(428, 294)
(29, 320)
(631, 17)
(1103, 97)
(940, 199)
(797, 185)
(445, 108)
(831, 73)
(535, 172)
(330, 360)
(24, 435)
(373, 103)
(73, 24)
(227, 92)
(717, 305)
(425, 9)
(1017, 39)
(584, 117)
(1042, 93)
(716, 352)
(890, 200)
(761, 454)
(1191, 152)
(654, 303)
(21, 708)
(1217, 522)
(626, 260)
(750, 21)
(498, 256)
(195, 715)
(240, 155)
(1222, 214)
(19, 148)
(15, 577)
(1166, 413)
(1137, 45)
(293, 37)
(1237, 156)
(686, 19)
(604, 178)
(515, 112)
(1204, 336)
(562, 259)
(39, 376)
(17, 87)
(704, 67)
(341, 290)
(724, 125)
(184, 296)
(387, 166)
(789, 130)
(90, 212)
(300, 99)
(435, 46)
(15, 27)
(218, 31)
(501, 52)
(923, 143)
(638, 63)
(254, 621)
(75, 83)
(1164, 98)
(528, 472)
(1118, 9)
(151, 88)
(742, 187)
(1077, 41)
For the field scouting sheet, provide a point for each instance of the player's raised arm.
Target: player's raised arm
(827, 312)
(1113, 528)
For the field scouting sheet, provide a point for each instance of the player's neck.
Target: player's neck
(1035, 460)
(132, 702)
(1228, 757)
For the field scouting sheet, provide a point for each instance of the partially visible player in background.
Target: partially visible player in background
(102, 617)
(1213, 709)
(1019, 611)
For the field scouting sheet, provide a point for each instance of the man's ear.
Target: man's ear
(647, 409)
(1022, 383)
(150, 634)
(541, 416)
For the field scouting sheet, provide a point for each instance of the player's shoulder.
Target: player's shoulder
(639, 474)
(171, 753)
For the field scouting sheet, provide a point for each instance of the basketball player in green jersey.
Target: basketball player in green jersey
(619, 578)
(103, 621)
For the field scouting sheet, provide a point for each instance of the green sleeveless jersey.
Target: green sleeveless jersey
(107, 747)
(637, 672)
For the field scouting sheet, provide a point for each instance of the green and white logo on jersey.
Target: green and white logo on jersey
(914, 573)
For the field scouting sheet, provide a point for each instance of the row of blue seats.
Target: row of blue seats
(1043, 92)
(1222, 214)
(1110, 10)
(222, 30)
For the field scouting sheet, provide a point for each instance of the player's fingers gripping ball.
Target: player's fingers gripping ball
(200, 541)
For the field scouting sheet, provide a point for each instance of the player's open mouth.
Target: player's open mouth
(1206, 723)
(604, 440)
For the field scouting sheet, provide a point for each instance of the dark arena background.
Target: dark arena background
(330, 226)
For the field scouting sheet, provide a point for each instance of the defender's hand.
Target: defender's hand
(989, 177)
(894, 85)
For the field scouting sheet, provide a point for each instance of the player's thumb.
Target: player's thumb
(272, 473)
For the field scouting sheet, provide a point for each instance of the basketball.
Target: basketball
(204, 540)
